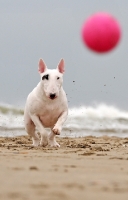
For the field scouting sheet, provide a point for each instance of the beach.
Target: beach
(82, 168)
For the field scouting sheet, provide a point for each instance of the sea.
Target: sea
(98, 120)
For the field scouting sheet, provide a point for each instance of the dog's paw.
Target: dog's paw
(56, 130)
(43, 143)
(35, 142)
(53, 143)
(44, 140)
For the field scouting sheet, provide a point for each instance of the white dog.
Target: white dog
(46, 106)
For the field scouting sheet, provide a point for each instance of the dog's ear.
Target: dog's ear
(60, 66)
(41, 66)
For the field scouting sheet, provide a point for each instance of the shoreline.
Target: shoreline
(16, 132)
(88, 167)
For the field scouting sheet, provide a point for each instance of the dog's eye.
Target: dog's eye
(58, 78)
(45, 77)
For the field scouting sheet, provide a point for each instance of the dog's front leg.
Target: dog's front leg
(41, 129)
(57, 129)
(58, 126)
(52, 140)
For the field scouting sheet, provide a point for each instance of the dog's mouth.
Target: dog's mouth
(52, 98)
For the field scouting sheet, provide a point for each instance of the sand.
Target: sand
(82, 168)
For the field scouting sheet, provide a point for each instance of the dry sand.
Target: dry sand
(82, 168)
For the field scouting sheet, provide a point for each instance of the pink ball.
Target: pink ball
(101, 32)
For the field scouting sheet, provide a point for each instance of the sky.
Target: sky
(51, 30)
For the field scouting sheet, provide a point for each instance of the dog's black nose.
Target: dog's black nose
(52, 96)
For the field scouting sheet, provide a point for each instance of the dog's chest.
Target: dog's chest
(49, 115)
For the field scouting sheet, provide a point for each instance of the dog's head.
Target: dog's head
(51, 79)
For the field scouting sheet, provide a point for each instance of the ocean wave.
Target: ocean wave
(8, 109)
(102, 118)
(99, 119)
(11, 117)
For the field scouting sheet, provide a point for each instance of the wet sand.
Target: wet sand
(82, 168)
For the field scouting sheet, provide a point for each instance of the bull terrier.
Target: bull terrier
(46, 106)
